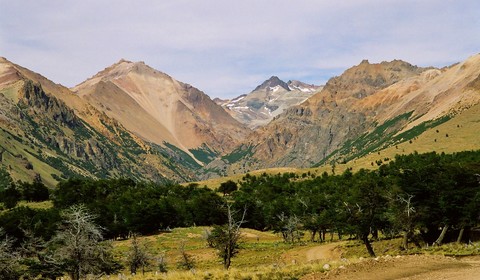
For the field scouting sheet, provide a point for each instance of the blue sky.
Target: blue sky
(226, 48)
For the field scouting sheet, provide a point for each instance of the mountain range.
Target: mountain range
(132, 120)
(368, 108)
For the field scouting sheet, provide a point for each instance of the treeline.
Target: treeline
(426, 198)
(414, 195)
(122, 206)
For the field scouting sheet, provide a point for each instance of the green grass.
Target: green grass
(257, 249)
(36, 205)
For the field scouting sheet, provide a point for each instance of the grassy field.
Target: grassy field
(214, 183)
(461, 133)
(263, 255)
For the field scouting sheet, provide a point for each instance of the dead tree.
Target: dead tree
(226, 238)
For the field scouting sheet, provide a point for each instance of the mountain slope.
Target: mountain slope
(267, 101)
(55, 134)
(162, 110)
(367, 108)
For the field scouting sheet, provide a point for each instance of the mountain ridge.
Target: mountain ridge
(362, 110)
(130, 119)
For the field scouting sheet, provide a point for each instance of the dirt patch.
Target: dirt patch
(193, 235)
(405, 267)
(249, 235)
(326, 252)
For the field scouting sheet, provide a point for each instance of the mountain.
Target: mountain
(132, 120)
(48, 131)
(267, 101)
(162, 110)
(368, 108)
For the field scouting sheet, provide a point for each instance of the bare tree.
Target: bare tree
(138, 256)
(162, 262)
(186, 261)
(9, 259)
(289, 226)
(409, 210)
(78, 247)
(226, 238)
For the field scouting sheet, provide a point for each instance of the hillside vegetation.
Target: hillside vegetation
(423, 199)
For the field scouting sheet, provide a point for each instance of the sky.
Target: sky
(226, 48)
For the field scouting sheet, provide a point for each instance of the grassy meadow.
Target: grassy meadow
(263, 255)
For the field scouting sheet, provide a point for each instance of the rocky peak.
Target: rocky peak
(123, 67)
(271, 83)
(8, 73)
(303, 87)
(120, 70)
(365, 61)
(366, 78)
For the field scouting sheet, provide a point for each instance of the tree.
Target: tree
(365, 206)
(77, 246)
(9, 193)
(289, 226)
(226, 238)
(35, 191)
(9, 259)
(38, 260)
(227, 187)
(407, 218)
(186, 261)
(138, 256)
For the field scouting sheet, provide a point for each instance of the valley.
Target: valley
(321, 174)
(169, 130)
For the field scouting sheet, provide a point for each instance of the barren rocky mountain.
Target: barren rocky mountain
(161, 110)
(267, 101)
(368, 107)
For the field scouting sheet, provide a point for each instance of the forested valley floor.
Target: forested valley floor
(411, 204)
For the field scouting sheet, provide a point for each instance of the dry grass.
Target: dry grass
(263, 255)
(214, 183)
(258, 273)
(458, 134)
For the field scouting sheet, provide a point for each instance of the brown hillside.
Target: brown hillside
(160, 109)
(355, 104)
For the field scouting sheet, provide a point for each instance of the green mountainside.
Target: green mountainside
(42, 136)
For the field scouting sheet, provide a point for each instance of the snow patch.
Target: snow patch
(275, 88)
(302, 89)
(237, 99)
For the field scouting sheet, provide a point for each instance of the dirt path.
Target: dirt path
(327, 252)
(405, 267)
(324, 252)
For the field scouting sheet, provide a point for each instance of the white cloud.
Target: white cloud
(222, 47)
